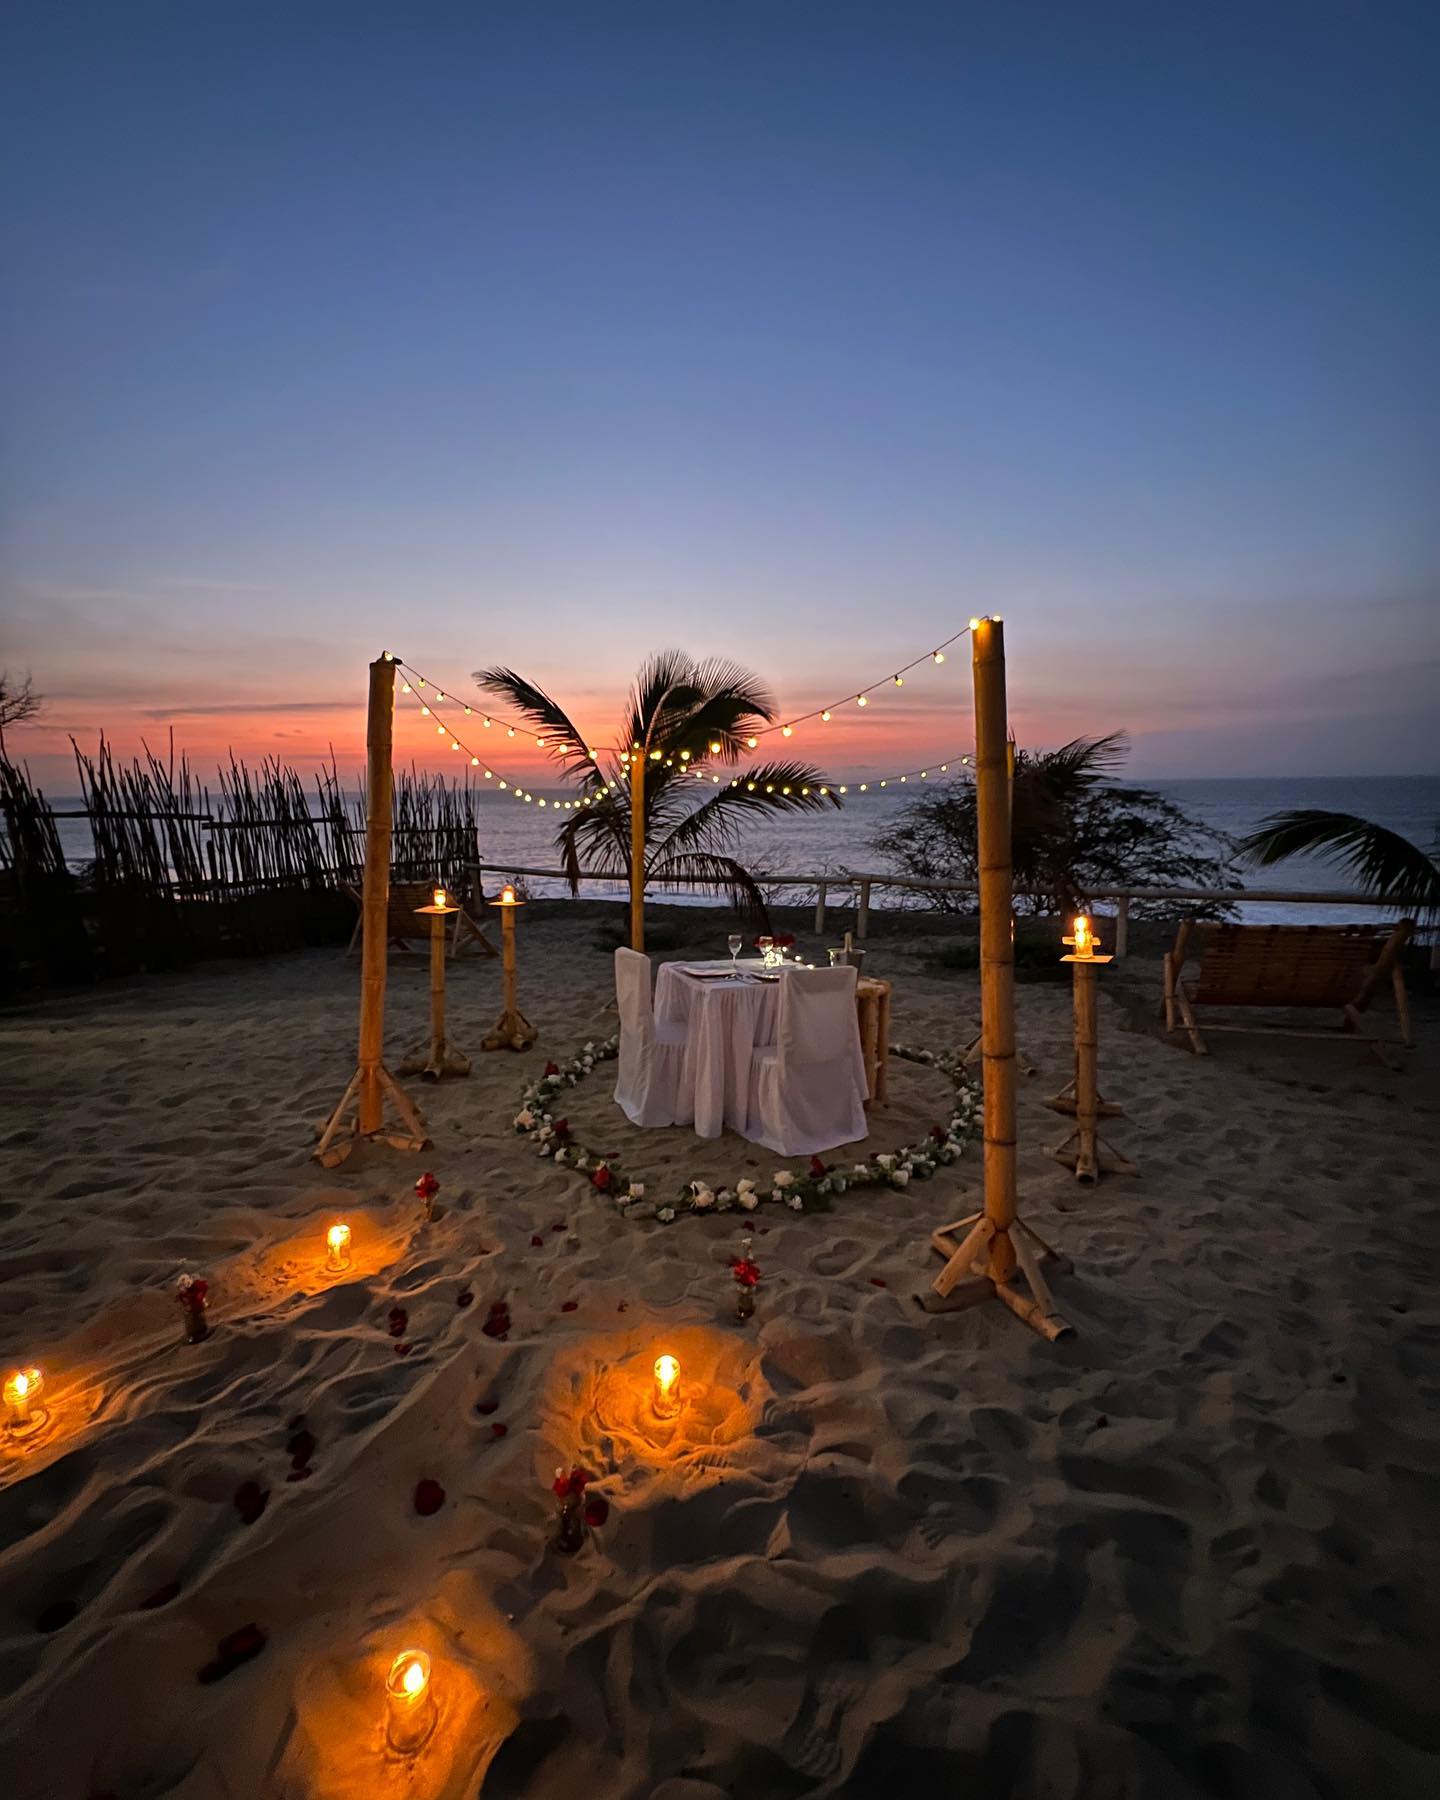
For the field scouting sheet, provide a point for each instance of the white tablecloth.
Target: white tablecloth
(724, 1023)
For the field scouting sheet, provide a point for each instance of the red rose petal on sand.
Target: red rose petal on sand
(499, 1428)
(560, 1225)
(622, 1306)
(486, 1407)
(301, 1448)
(875, 1281)
(571, 1306)
(301, 1474)
(597, 1510)
(403, 1349)
(251, 1500)
(464, 1297)
(232, 1652)
(537, 1242)
(162, 1596)
(398, 1320)
(429, 1497)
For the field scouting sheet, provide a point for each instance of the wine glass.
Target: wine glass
(735, 941)
(766, 947)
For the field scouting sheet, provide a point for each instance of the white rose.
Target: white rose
(525, 1118)
(561, 1156)
(837, 1182)
(783, 1178)
(747, 1198)
(665, 1214)
(886, 1161)
(724, 1200)
(637, 1190)
(862, 1170)
(747, 1186)
(901, 1178)
(796, 1204)
(703, 1201)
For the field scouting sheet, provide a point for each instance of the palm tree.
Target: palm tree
(680, 713)
(1383, 862)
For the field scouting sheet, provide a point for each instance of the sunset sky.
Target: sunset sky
(551, 335)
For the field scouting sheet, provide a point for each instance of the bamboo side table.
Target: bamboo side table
(872, 1003)
(441, 1058)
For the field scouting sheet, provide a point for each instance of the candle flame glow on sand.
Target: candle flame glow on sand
(337, 1245)
(667, 1387)
(409, 1702)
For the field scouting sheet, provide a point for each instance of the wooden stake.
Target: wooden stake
(993, 1232)
(372, 1081)
(438, 1059)
(637, 851)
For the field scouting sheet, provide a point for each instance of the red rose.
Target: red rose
(597, 1510)
(602, 1179)
(561, 1128)
(817, 1168)
(427, 1186)
(938, 1133)
(746, 1272)
(552, 1068)
(573, 1483)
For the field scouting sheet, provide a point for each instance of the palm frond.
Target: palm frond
(765, 791)
(549, 718)
(722, 873)
(1384, 863)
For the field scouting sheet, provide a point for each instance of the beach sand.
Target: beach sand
(1188, 1551)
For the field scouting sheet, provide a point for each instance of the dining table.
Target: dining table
(727, 1012)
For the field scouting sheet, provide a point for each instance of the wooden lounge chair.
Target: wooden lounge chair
(409, 932)
(1326, 966)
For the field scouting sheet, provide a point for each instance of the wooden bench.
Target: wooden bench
(407, 932)
(1326, 967)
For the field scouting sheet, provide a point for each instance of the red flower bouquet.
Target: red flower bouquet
(426, 1188)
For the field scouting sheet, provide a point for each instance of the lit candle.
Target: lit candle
(409, 1702)
(507, 896)
(22, 1392)
(337, 1245)
(1084, 937)
(439, 899)
(667, 1387)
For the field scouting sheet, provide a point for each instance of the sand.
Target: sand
(1189, 1551)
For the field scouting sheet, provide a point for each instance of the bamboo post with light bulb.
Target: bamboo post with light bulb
(997, 1244)
(372, 1083)
(439, 1059)
(1084, 1149)
(512, 1030)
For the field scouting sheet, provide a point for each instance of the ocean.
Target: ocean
(515, 835)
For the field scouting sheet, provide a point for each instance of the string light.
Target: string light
(786, 727)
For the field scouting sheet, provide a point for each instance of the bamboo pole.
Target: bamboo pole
(372, 1082)
(991, 1233)
(512, 1030)
(997, 945)
(379, 744)
(440, 1058)
(637, 851)
(1087, 1094)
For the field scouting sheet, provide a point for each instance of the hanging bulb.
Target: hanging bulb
(474, 762)
(899, 681)
(404, 687)
(750, 743)
(937, 656)
(844, 790)
(467, 712)
(860, 700)
(826, 715)
(715, 749)
(510, 732)
(785, 731)
(485, 722)
(864, 787)
(425, 712)
(974, 624)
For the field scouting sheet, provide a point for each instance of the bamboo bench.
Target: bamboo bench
(1339, 967)
(406, 931)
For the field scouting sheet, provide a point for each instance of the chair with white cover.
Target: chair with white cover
(807, 1090)
(649, 1089)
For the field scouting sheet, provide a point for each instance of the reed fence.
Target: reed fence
(179, 870)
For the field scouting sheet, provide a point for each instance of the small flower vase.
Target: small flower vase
(197, 1326)
(570, 1523)
(744, 1302)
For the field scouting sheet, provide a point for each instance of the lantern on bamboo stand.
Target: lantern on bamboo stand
(440, 1058)
(512, 1030)
(1084, 1149)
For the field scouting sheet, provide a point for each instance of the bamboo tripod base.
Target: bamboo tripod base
(974, 1055)
(512, 1031)
(1064, 1102)
(342, 1132)
(1090, 1156)
(435, 1060)
(965, 1280)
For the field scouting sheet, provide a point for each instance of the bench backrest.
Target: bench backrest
(1286, 965)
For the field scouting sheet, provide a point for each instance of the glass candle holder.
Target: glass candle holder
(24, 1415)
(409, 1702)
(337, 1248)
(666, 1398)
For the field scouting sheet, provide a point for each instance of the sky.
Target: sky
(798, 332)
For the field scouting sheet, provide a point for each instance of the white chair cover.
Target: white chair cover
(648, 1089)
(807, 1092)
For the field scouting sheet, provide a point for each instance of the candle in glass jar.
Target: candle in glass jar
(409, 1702)
(439, 897)
(1084, 937)
(23, 1412)
(667, 1387)
(337, 1246)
